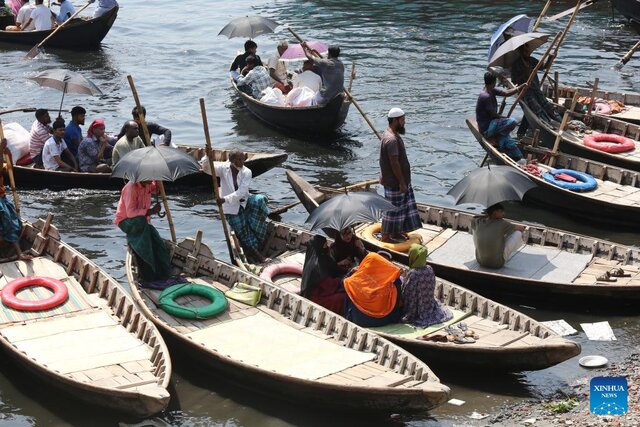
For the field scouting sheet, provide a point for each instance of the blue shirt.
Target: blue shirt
(66, 10)
(73, 132)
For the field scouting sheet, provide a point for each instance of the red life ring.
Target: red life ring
(610, 143)
(274, 270)
(9, 298)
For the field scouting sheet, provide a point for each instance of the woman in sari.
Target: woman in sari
(321, 277)
(420, 307)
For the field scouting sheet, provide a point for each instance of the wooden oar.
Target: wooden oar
(627, 57)
(216, 189)
(542, 14)
(532, 75)
(159, 183)
(22, 110)
(38, 48)
(571, 10)
(346, 91)
(564, 35)
(8, 160)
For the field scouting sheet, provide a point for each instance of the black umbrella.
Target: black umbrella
(248, 27)
(155, 163)
(347, 209)
(67, 82)
(491, 185)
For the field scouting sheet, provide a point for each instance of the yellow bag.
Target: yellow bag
(245, 293)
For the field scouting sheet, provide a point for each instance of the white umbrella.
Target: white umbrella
(507, 53)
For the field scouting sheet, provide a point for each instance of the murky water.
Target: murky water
(426, 56)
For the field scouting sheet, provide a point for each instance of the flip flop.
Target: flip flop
(618, 272)
(605, 277)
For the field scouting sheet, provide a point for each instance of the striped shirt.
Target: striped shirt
(39, 135)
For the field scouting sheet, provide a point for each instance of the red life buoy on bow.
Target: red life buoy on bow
(610, 143)
(59, 289)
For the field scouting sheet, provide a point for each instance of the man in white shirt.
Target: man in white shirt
(54, 148)
(24, 14)
(42, 17)
(66, 11)
(307, 78)
(278, 68)
(246, 213)
(103, 7)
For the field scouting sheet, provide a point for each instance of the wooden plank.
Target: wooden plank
(139, 353)
(501, 338)
(97, 373)
(79, 321)
(387, 379)
(42, 266)
(10, 270)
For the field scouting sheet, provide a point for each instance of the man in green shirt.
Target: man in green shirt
(495, 239)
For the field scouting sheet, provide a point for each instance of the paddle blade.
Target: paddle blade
(35, 51)
(618, 66)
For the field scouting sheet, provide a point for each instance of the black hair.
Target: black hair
(59, 123)
(40, 112)
(77, 110)
(391, 119)
(251, 60)
(134, 112)
(334, 51)
(493, 208)
(489, 78)
(249, 44)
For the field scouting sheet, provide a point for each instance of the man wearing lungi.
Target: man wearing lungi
(395, 176)
(246, 213)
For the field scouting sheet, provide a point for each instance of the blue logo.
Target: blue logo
(608, 396)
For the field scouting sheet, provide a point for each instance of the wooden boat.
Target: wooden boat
(306, 121)
(509, 341)
(286, 346)
(30, 177)
(96, 346)
(79, 34)
(616, 198)
(553, 266)
(573, 142)
(629, 8)
(631, 100)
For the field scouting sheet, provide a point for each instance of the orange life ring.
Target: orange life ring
(274, 270)
(610, 143)
(59, 289)
(370, 231)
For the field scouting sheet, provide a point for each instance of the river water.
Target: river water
(427, 57)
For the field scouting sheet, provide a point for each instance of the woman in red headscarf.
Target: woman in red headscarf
(94, 152)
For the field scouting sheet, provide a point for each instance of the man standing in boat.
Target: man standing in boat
(395, 176)
(246, 213)
(332, 73)
(103, 7)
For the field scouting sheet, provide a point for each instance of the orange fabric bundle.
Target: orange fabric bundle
(371, 287)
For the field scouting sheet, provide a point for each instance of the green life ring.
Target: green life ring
(167, 301)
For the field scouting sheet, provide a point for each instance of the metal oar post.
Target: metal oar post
(159, 183)
(12, 181)
(216, 189)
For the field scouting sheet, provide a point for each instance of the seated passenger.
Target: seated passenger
(347, 250)
(373, 292)
(23, 18)
(66, 11)
(5, 10)
(152, 127)
(420, 308)
(254, 78)
(129, 142)
(95, 150)
(133, 216)
(278, 69)
(238, 64)
(307, 78)
(103, 7)
(10, 224)
(42, 17)
(321, 277)
(55, 148)
(495, 239)
(73, 131)
(15, 6)
(40, 133)
(490, 123)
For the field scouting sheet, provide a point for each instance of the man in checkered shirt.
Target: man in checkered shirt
(254, 79)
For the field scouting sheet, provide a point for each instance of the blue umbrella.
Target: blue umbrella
(520, 23)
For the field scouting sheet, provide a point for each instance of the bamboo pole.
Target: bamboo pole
(159, 183)
(12, 182)
(346, 91)
(216, 189)
(564, 35)
(555, 86)
(627, 57)
(353, 75)
(532, 75)
(542, 14)
(563, 124)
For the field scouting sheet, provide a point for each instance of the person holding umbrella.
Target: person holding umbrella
(250, 49)
(73, 131)
(495, 239)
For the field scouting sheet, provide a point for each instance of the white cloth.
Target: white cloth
(279, 66)
(273, 96)
(233, 198)
(307, 79)
(23, 16)
(17, 140)
(300, 97)
(512, 244)
(41, 16)
(50, 150)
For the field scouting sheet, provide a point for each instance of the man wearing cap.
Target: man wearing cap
(395, 176)
(332, 73)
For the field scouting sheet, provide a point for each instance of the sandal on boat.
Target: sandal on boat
(605, 277)
(618, 272)
(457, 336)
(467, 332)
(434, 338)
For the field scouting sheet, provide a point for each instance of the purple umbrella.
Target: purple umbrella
(295, 52)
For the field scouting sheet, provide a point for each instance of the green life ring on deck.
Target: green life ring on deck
(168, 304)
